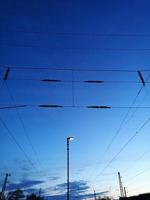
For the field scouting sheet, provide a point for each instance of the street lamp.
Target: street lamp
(68, 142)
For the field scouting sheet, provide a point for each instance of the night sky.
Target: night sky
(70, 43)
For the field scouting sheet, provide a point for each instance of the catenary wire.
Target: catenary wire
(77, 49)
(13, 137)
(56, 106)
(124, 119)
(90, 34)
(10, 133)
(122, 124)
(22, 124)
(84, 81)
(125, 145)
(62, 68)
(145, 152)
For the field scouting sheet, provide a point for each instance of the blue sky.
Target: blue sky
(77, 38)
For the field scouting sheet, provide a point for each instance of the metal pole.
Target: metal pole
(120, 185)
(94, 194)
(68, 169)
(4, 187)
(125, 192)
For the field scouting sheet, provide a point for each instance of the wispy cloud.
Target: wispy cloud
(24, 184)
(53, 178)
(75, 187)
(24, 165)
(78, 189)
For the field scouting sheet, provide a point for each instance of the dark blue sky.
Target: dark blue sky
(85, 35)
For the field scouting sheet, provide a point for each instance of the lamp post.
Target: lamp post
(68, 172)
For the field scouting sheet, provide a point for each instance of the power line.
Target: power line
(5, 106)
(76, 48)
(55, 68)
(17, 106)
(138, 159)
(16, 142)
(141, 172)
(124, 119)
(84, 81)
(12, 136)
(22, 123)
(92, 34)
(124, 146)
(145, 152)
(122, 124)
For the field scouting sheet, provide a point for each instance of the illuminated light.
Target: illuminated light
(70, 138)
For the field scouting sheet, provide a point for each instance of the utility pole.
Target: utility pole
(125, 192)
(2, 197)
(120, 185)
(94, 194)
(68, 165)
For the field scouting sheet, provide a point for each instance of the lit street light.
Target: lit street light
(68, 142)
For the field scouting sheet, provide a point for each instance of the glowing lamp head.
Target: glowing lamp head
(70, 138)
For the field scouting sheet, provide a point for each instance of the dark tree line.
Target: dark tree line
(19, 195)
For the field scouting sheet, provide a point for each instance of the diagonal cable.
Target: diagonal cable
(124, 146)
(23, 125)
(16, 142)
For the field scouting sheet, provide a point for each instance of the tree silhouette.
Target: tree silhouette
(33, 197)
(15, 195)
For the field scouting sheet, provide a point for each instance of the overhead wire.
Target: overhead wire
(138, 159)
(89, 81)
(142, 171)
(75, 34)
(73, 89)
(126, 115)
(46, 106)
(10, 133)
(123, 122)
(124, 146)
(5, 77)
(16, 106)
(62, 68)
(77, 49)
(12, 136)
(145, 152)
(100, 107)
(22, 123)
(137, 107)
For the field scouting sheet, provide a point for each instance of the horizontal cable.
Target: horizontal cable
(53, 68)
(17, 106)
(76, 48)
(7, 106)
(93, 34)
(65, 81)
